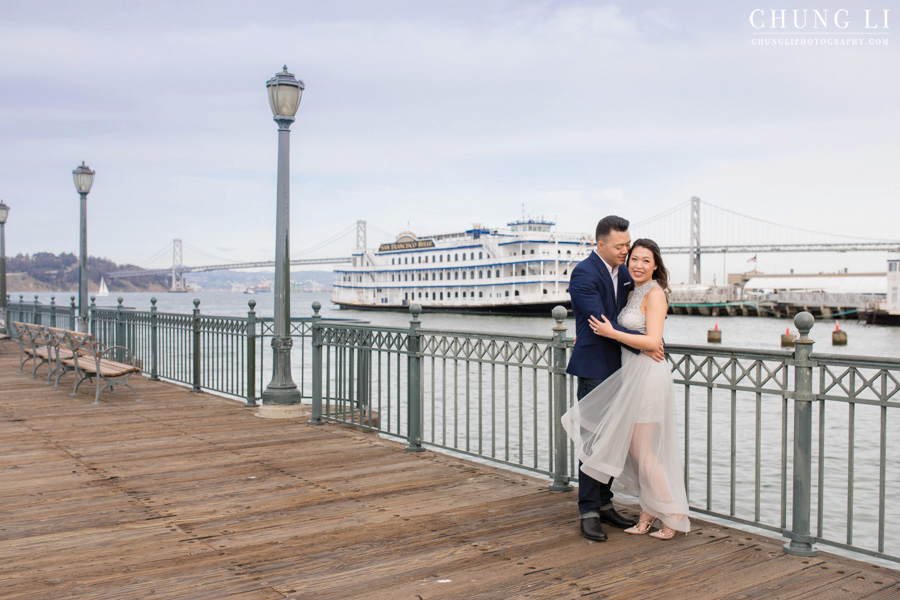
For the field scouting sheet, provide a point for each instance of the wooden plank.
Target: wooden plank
(191, 496)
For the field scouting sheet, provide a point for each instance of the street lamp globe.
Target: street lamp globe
(4, 212)
(285, 91)
(84, 178)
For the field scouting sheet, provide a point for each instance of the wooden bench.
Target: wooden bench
(113, 366)
(35, 344)
(64, 350)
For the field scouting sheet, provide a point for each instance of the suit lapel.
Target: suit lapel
(625, 286)
(610, 299)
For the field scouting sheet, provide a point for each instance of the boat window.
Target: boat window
(479, 255)
(442, 295)
(545, 291)
(442, 258)
(480, 294)
(523, 271)
(392, 261)
(498, 272)
(456, 294)
(464, 274)
(464, 294)
(472, 275)
(456, 275)
(456, 257)
(433, 275)
(517, 292)
(472, 256)
(507, 293)
(442, 276)
(480, 274)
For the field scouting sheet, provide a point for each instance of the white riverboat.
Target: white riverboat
(523, 268)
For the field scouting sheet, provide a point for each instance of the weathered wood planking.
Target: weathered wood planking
(190, 496)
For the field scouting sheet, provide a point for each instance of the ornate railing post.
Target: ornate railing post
(36, 317)
(154, 341)
(251, 354)
(414, 408)
(92, 316)
(120, 328)
(71, 313)
(560, 405)
(52, 311)
(317, 338)
(801, 543)
(195, 354)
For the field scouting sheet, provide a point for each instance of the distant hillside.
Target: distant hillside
(240, 280)
(44, 271)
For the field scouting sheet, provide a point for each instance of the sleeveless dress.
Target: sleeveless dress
(626, 428)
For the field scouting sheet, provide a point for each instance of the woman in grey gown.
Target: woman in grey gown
(626, 427)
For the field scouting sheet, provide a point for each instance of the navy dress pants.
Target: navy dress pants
(592, 495)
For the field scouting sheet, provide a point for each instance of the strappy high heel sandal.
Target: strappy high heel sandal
(643, 525)
(663, 533)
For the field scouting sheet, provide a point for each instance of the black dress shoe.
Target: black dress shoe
(611, 517)
(592, 529)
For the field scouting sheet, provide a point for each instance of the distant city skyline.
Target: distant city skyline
(432, 116)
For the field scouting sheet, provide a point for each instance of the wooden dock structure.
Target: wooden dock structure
(190, 496)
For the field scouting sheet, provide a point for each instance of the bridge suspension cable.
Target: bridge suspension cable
(326, 242)
(782, 226)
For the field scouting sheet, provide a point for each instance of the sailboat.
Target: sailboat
(104, 291)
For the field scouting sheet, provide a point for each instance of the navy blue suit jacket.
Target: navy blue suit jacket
(591, 290)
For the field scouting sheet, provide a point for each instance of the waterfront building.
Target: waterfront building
(892, 304)
(524, 267)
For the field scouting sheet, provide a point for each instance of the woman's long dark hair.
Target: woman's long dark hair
(660, 274)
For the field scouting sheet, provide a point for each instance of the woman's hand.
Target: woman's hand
(603, 327)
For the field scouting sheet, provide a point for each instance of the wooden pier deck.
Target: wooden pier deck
(189, 496)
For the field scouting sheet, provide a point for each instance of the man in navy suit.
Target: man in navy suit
(599, 285)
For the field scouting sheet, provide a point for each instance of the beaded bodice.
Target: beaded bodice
(631, 316)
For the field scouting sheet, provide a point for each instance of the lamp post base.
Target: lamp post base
(281, 396)
(281, 390)
(800, 549)
(282, 411)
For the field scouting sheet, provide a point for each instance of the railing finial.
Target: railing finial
(415, 310)
(559, 314)
(804, 322)
(316, 306)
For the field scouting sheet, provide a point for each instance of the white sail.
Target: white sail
(104, 291)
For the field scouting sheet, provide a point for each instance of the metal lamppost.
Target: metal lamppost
(84, 179)
(284, 97)
(4, 212)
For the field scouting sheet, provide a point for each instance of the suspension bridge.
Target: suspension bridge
(677, 230)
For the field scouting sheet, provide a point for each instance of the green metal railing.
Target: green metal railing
(50, 315)
(792, 442)
(758, 449)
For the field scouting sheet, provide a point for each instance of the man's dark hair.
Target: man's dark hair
(607, 224)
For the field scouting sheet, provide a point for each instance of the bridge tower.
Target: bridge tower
(177, 268)
(361, 235)
(694, 274)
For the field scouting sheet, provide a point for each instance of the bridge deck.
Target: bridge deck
(190, 496)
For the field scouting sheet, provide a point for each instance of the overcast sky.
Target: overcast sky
(434, 115)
